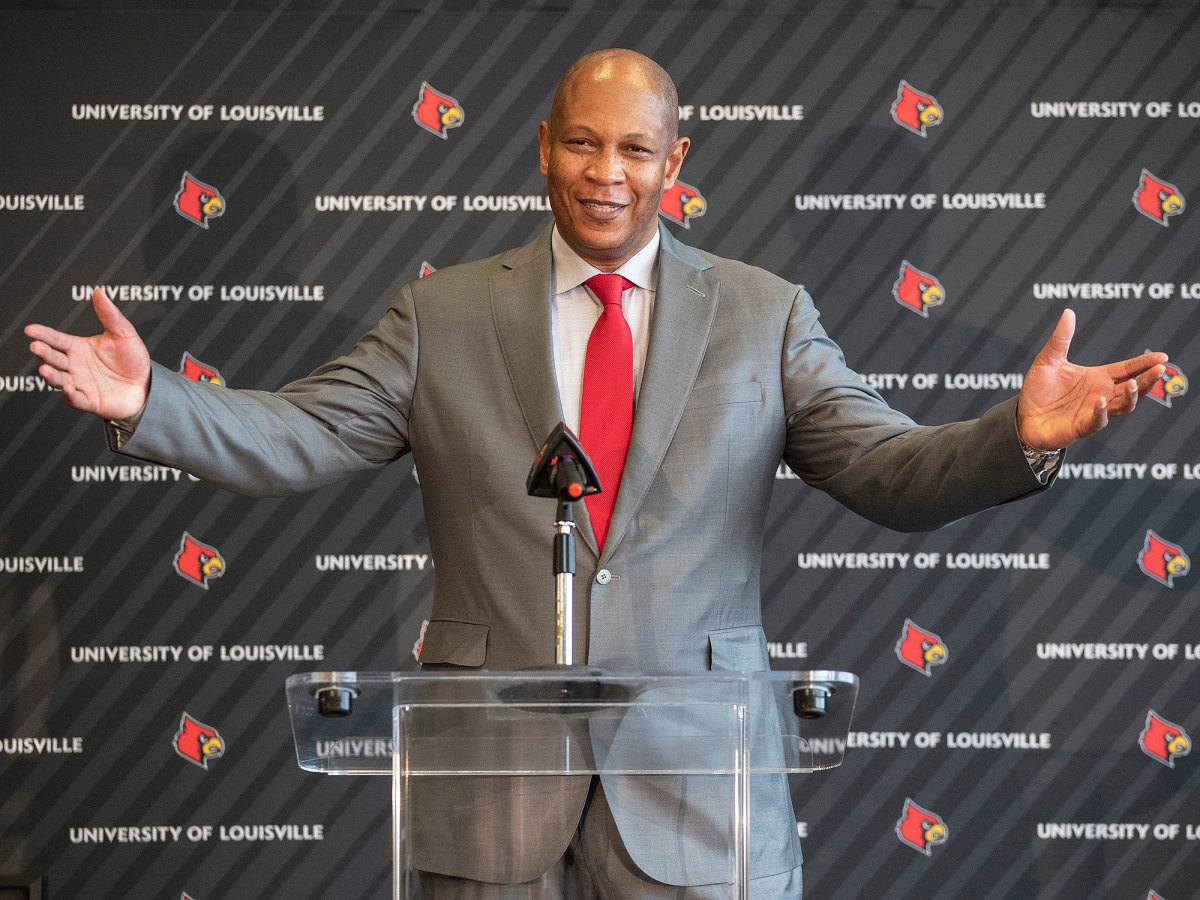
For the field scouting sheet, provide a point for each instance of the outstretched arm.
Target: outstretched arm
(107, 374)
(1061, 402)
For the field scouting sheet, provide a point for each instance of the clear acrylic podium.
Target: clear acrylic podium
(457, 732)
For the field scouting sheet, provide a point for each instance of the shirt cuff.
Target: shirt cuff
(1044, 463)
(117, 432)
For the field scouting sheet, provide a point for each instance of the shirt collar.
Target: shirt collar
(570, 271)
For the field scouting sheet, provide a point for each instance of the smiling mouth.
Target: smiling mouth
(602, 208)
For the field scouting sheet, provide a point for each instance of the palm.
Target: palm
(1062, 402)
(107, 374)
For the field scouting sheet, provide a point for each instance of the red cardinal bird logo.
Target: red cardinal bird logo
(920, 828)
(436, 112)
(198, 562)
(917, 290)
(192, 368)
(1173, 384)
(196, 742)
(198, 202)
(681, 203)
(915, 110)
(1162, 741)
(1157, 199)
(920, 649)
(1162, 561)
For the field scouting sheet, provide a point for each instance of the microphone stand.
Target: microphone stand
(562, 470)
(564, 585)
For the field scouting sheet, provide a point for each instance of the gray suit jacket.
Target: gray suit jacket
(739, 375)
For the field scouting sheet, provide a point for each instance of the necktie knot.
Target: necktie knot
(608, 287)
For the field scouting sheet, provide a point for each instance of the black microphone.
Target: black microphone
(568, 477)
(562, 469)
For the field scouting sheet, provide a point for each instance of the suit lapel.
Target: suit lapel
(521, 311)
(685, 305)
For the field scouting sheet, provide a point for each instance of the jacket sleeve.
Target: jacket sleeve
(349, 415)
(844, 439)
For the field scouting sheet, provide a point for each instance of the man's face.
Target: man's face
(608, 164)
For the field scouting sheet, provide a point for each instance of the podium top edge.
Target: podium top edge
(799, 678)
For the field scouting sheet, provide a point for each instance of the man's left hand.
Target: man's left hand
(1061, 402)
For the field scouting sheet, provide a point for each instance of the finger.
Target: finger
(1135, 367)
(1060, 341)
(76, 397)
(52, 376)
(110, 316)
(1148, 379)
(57, 339)
(1125, 398)
(49, 355)
(1099, 416)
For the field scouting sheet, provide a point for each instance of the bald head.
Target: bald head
(621, 69)
(609, 150)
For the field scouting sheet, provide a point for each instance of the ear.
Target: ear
(544, 147)
(675, 160)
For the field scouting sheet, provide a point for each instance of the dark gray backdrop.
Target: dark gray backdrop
(88, 558)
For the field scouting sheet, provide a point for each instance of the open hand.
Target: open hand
(1061, 402)
(107, 374)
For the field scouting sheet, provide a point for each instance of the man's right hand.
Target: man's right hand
(107, 374)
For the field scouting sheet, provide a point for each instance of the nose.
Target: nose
(606, 167)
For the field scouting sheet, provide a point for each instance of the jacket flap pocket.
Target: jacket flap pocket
(720, 394)
(742, 649)
(454, 642)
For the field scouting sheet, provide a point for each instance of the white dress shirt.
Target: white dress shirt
(575, 310)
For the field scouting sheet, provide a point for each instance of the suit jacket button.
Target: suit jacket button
(603, 576)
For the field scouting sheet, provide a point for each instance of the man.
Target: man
(472, 367)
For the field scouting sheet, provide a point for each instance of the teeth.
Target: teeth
(603, 207)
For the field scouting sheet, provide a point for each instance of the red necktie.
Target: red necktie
(606, 413)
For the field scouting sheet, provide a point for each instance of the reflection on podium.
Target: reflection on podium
(720, 743)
